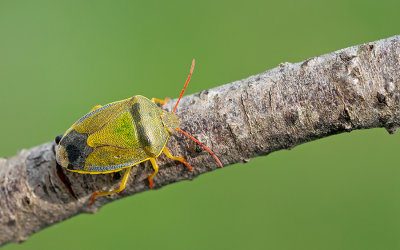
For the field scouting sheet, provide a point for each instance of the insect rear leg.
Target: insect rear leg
(121, 187)
(162, 102)
(169, 155)
(95, 107)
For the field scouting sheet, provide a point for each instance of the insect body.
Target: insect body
(119, 136)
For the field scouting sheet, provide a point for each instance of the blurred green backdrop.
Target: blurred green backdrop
(60, 58)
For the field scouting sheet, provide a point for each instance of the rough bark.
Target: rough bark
(353, 88)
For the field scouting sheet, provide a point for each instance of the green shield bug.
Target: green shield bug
(120, 135)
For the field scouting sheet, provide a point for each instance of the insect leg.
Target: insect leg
(169, 155)
(121, 187)
(162, 102)
(95, 107)
(155, 167)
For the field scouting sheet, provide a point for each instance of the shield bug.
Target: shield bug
(120, 135)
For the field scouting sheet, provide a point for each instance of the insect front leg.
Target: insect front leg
(169, 155)
(121, 187)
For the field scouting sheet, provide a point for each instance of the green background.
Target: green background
(60, 58)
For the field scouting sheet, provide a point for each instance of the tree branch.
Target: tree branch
(353, 88)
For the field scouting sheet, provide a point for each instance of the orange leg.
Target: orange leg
(121, 187)
(162, 102)
(155, 167)
(95, 107)
(169, 155)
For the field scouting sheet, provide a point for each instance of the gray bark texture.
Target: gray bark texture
(353, 88)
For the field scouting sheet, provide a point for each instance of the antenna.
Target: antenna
(204, 146)
(183, 90)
